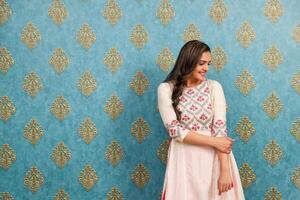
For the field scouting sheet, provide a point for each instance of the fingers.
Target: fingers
(224, 187)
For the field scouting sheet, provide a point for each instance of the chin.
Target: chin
(201, 78)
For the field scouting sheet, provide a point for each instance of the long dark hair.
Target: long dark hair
(185, 64)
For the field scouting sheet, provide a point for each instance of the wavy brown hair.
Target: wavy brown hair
(185, 63)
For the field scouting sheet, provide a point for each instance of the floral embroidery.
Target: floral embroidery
(209, 106)
(206, 90)
(195, 127)
(190, 91)
(190, 105)
(219, 128)
(203, 117)
(219, 122)
(185, 117)
(174, 128)
(182, 99)
(200, 99)
(193, 108)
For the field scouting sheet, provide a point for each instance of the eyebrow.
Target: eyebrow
(205, 61)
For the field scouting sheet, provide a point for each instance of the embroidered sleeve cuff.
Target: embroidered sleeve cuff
(219, 128)
(176, 130)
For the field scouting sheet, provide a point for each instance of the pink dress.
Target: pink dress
(192, 171)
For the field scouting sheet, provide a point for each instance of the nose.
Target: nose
(206, 67)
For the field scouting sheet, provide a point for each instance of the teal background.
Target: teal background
(159, 37)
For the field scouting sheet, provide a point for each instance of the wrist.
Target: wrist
(212, 141)
(224, 169)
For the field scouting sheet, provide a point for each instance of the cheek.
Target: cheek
(198, 68)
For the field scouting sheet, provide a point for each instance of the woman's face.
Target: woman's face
(201, 68)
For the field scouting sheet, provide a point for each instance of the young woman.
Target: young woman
(200, 163)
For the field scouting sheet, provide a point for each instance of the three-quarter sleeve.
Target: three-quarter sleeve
(219, 127)
(175, 128)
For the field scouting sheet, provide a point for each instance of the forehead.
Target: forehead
(206, 56)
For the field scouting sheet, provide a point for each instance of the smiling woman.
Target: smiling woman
(198, 75)
(193, 109)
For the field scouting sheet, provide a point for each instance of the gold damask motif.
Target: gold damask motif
(7, 108)
(60, 108)
(295, 82)
(218, 12)
(165, 12)
(6, 60)
(245, 129)
(162, 151)
(245, 82)
(7, 156)
(86, 36)
(165, 59)
(272, 105)
(87, 83)
(33, 131)
(88, 177)
(140, 176)
(5, 11)
(272, 152)
(296, 33)
(272, 58)
(112, 12)
(61, 155)
(245, 34)
(114, 153)
(6, 195)
(30, 35)
(32, 84)
(247, 174)
(34, 179)
(273, 194)
(113, 60)
(295, 129)
(295, 177)
(114, 194)
(139, 83)
(219, 59)
(57, 11)
(191, 33)
(140, 129)
(61, 195)
(59, 60)
(273, 10)
(114, 107)
(87, 130)
(139, 36)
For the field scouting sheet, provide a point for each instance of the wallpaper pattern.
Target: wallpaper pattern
(78, 102)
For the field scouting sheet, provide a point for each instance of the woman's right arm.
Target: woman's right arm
(222, 144)
(178, 131)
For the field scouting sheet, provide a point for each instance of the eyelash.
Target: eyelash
(203, 63)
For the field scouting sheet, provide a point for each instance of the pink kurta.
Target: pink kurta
(192, 171)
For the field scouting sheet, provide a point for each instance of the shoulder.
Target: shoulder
(216, 84)
(165, 86)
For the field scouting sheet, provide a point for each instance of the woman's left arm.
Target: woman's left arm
(219, 129)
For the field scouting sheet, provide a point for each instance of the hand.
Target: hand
(225, 182)
(223, 144)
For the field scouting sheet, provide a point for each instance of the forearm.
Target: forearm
(199, 139)
(224, 161)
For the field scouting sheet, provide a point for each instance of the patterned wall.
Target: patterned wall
(78, 82)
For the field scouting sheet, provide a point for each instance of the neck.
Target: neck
(192, 83)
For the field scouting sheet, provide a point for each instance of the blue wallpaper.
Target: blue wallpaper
(119, 97)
